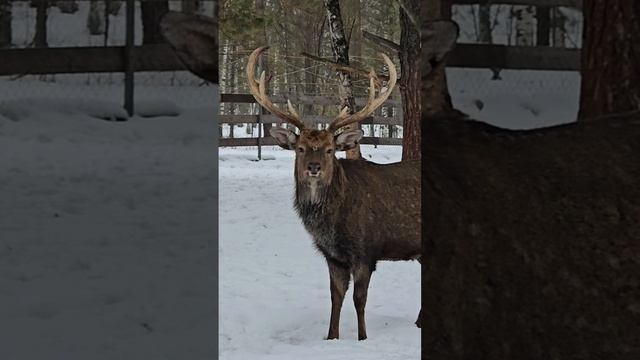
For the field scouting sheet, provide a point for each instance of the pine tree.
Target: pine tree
(610, 54)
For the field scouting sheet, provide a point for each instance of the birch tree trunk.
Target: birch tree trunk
(484, 24)
(340, 49)
(610, 54)
(5, 24)
(525, 25)
(95, 21)
(263, 64)
(559, 29)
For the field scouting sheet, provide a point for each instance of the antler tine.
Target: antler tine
(373, 103)
(258, 89)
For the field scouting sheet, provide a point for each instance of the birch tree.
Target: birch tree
(525, 25)
(95, 20)
(559, 31)
(484, 24)
(340, 48)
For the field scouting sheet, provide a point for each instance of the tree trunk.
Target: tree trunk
(152, 11)
(5, 24)
(435, 94)
(409, 55)
(543, 26)
(610, 56)
(95, 22)
(341, 53)
(40, 38)
(559, 29)
(263, 64)
(484, 24)
(525, 21)
(113, 7)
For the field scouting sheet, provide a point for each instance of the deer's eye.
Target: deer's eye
(301, 149)
(329, 151)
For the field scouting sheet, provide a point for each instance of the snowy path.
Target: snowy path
(275, 287)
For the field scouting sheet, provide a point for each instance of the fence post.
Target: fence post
(260, 112)
(128, 57)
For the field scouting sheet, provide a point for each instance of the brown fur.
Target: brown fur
(532, 241)
(357, 212)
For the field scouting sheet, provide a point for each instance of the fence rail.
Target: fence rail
(95, 59)
(267, 119)
(568, 3)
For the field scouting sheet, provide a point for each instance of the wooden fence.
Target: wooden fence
(127, 59)
(393, 107)
(130, 59)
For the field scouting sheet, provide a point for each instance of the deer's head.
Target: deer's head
(315, 149)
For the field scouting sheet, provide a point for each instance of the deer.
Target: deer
(357, 212)
(531, 239)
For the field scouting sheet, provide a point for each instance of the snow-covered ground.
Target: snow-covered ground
(274, 286)
(116, 220)
(107, 231)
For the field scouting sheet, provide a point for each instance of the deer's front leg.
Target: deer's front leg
(339, 283)
(361, 277)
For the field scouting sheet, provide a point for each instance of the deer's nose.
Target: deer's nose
(313, 167)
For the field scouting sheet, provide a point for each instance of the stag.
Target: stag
(356, 211)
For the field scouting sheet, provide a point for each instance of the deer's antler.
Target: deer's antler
(258, 89)
(344, 118)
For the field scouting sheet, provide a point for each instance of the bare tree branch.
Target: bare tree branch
(346, 68)
(380, 41)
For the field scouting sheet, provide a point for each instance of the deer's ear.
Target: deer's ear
(348, 139)
(194, 39)
(287, 139)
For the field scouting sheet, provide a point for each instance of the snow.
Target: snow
(521, 100)
(274, 285)
(115, 221)
(106, 232)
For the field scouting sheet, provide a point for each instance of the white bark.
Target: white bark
(95, 22)
(525, 25)
(558, 29)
